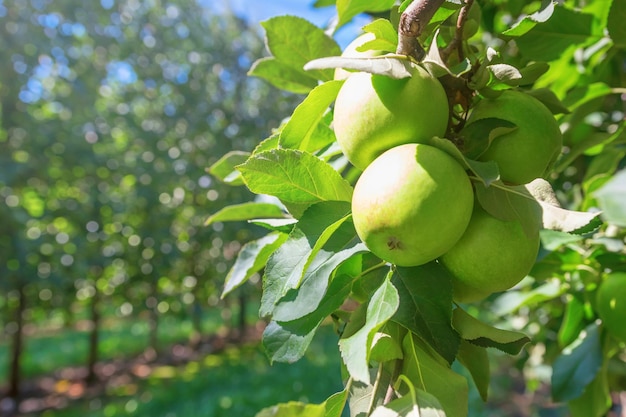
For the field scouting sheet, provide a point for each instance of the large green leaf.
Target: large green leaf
(252, 258)
(288, 341)
(431, 373)
(484, 335)
(300, 131)
(577, 365)
(294, 176)
(355, 349)
(287, 267)
(246, 211)
(295, 41)
(566, 28)
(347, 9)
(615, 24)
(529, 22)
(476, 360)
(282, 75)
(426, 306)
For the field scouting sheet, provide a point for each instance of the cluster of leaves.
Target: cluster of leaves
(400, 332)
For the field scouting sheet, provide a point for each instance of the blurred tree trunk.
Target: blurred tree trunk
(17, 348)
(94, 337)
(241, 325)
(153, 320)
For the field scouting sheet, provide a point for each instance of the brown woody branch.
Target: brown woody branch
(412, 22)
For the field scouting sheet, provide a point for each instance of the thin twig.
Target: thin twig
(412, 22)
(457, 42)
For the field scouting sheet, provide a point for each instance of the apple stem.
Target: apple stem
(457, 42)
(412, 22)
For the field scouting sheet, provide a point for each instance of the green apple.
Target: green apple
(412, 204)
(528, 151)
(374, 113)
(492, 255)
(351, 52)
(611, 304)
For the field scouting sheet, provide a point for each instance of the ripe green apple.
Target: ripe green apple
(528, 151)
(374, 113)
(412, 204)
(611, 304)
(491, 256)
(351, 52)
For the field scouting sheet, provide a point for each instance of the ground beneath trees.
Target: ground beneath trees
(65, 386)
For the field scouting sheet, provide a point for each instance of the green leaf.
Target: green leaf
(347, 9)
(572, 321)
(615, 24)
(299, 132)
(293, 409)
(224, 169)
(386, 344)
(246, 211)
(484, 335)
(505, 73)
(431, 373)
(475, 359)
(390, 65)
(310, 294)
(596, 399)
(295, 41)
(282, 75)
(566, 28)
(336, 403)
(529, 22)
(386, 36)
(294, 176)
(549, 99)
(421, 404)
(287, 266)
(276, 225)
(511, 203)
(288, 341)
(612, 199)
(426, 306)
(479, 135)
(355, 349)
(532, 72)
(251, 258)
(531, 203)
(486, 172)
(577, 365)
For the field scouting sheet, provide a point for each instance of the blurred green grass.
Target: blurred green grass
(119, 338)
(236, 382)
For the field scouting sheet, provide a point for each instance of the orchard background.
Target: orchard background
(168, 178)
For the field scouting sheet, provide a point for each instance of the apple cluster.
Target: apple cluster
(414, 203)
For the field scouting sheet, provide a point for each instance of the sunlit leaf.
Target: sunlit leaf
(355, 349)
(224, 169)
(251, 258)
(299, 132)
(347, 9)
(530, 21)
(293, 409)
(246, 211)
(391, 65)
(294, 176)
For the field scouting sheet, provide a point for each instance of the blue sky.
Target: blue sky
(258, 10)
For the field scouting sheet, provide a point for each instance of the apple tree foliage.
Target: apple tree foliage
(407, 349)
